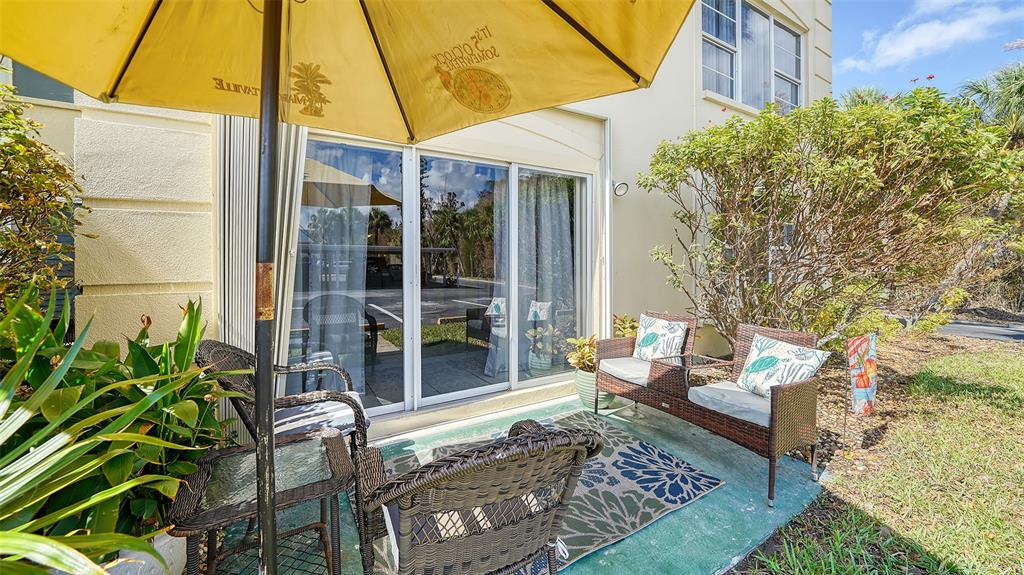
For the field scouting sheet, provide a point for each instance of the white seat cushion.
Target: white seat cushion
(725, 397)
(313, 416)
(629, 369)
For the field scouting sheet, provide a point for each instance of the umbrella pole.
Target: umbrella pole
(269, 101)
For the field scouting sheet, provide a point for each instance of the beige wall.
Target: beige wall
(673, 105)
(147, 244)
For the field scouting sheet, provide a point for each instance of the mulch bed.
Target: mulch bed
(852, 445)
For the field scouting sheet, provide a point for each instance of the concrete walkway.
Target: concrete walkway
(997, 331)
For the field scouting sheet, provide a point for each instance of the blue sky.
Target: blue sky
(889, 43)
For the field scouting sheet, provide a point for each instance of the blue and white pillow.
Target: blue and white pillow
(658, 338)
(539, 311)
(496, 311)
(772, 362)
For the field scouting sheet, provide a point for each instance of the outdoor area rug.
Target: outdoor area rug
(626, 487)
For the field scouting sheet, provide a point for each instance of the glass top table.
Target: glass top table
(307, 467)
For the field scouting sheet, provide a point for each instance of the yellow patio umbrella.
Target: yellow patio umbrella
(397, 70)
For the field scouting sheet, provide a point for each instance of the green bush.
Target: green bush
(37, 195)
(819, 219)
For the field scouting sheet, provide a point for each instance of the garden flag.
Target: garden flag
(863, 372)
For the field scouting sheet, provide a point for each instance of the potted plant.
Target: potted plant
(542, 348)
(174, 423)
(55, 510)
(584, 358)
(625, 325)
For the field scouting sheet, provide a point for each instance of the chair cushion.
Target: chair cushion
(477, 324)
(772, 362)
(727, 398)
(657, 337)
(313, 416)
(629, 369)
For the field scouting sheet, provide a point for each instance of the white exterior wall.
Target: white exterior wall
(675, 104)
(146, 246)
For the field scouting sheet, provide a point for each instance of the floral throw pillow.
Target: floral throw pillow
(658, 338)
(772, 362)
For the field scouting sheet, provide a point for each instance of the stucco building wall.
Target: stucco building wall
(146, 245)
(675, 104)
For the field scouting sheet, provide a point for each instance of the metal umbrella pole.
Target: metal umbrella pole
(269, 101)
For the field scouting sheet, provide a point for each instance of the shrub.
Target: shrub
(820, 218)
(175, 425)
(37, 193)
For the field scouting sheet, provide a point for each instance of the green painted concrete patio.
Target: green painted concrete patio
(706, 536)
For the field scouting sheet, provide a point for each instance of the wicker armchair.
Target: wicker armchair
(294, 413)
(791, 423)
(488, 510)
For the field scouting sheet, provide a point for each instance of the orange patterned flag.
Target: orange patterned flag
(863, 372)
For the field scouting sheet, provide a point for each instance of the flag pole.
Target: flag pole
(269, 102)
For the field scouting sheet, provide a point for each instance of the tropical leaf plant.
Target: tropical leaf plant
(136, 467)
(44, 522)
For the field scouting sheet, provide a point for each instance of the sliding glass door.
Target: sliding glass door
(348, 303)
(464, 257)
(455, 278)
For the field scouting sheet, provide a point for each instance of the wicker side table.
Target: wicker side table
(308, 467)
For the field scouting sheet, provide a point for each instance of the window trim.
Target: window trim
(737, 79)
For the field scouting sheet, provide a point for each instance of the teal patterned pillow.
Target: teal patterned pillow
(658, 338)
(771, 362)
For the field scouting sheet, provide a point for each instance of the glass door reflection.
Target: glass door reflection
(348, 305)
(464, 283)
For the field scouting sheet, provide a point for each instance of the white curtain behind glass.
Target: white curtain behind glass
(546, 248)
(497, 348)
(756, 65)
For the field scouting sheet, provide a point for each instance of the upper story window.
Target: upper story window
(750, 57)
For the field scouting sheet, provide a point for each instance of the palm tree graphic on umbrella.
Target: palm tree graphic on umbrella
(306, 81)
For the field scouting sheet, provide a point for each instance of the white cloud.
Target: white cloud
(921, 34)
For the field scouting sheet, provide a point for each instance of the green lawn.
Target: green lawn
(947, 493)
(443, 339)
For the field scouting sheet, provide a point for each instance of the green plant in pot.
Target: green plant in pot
(584, 358)
(625, 325)
(175, 419)
(55, 439)
(542, 348)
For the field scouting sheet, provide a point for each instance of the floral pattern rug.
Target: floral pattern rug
(629, 485)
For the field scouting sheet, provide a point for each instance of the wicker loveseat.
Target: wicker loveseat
(492, 509)
(768, 427)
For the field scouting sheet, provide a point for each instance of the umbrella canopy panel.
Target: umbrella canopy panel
(396, 70)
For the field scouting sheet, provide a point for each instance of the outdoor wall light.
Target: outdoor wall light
(620, 189)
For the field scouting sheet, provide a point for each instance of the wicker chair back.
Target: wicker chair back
(491, 509)
(223, 357)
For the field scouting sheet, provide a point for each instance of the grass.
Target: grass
(945, 493)
(442, 339)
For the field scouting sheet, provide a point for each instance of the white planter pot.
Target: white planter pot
(586, 388)
(539, 363)
(172, 549)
